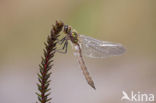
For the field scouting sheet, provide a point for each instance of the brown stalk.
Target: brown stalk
(46, 63)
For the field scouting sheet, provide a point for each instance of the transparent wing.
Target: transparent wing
(99, 49)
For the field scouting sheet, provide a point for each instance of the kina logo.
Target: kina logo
(137, 97)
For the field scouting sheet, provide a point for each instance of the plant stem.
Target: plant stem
(46, 63)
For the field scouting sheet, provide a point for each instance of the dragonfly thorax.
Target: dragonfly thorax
(74, 37)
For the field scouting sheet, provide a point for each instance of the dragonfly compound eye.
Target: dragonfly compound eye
(65, 28)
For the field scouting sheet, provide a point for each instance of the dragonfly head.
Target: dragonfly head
(72, 34)
(67, 29)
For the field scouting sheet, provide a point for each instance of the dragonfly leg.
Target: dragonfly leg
(64, 48)
(61, 41)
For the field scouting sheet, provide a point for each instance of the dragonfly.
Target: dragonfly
(90, 47)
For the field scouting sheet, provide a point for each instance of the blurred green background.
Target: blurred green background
(25, 25)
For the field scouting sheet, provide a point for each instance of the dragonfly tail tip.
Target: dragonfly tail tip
(92, 85)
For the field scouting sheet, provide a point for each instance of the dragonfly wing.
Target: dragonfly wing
(99, 49)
